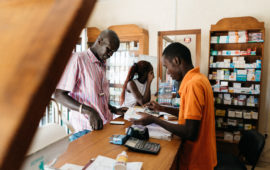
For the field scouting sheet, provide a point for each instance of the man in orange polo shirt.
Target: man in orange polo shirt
(196, 121)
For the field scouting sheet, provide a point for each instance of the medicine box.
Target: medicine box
(228, 136)
(237, 137)
(220, 112)
(232, 122)
(247, 115)
(238, 114)
(254, 115)
(248, 127)
(231, 113)
(257, 75)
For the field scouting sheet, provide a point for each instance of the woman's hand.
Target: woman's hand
(150, 76)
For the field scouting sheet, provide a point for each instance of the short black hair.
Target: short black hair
(111, 35)
(179, 50)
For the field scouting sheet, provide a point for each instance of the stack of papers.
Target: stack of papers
(70, 167)
(131, 113)
(105, 163)
(158, 132)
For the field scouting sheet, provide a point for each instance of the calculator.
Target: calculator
(144, 146)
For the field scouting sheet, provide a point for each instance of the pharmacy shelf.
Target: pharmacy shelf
(233, 81)
(229, 129)
(249, 42)
(235, 55)
(226, 106)
(238, 118)
(222, 28)
(255, 95)
(226, 141)
(216, 68)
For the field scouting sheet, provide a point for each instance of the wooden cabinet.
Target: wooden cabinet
(92, 34)
(133, 42)
(133, 33)
(235, 72)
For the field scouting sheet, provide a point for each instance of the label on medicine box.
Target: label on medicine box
(238, 114)
(228, 136)
(231, 113)
(247, 115)
(118, 139)
(254, 115)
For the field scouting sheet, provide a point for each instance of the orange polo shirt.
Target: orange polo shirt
(197, 103)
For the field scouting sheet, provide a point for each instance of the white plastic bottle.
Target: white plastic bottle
(121, 161)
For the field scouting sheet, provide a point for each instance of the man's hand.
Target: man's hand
(94, 119)
(153, 106)
(121, 111)
(145, 120)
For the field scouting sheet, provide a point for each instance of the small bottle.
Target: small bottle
(121, 161)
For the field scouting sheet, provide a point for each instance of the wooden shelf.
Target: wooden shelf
(37, 38)
(234, 81)
(216, 68)
(237, 43)
(241, 118)
(235, 55)
(227, 141)
(236, 106)
(255, 95)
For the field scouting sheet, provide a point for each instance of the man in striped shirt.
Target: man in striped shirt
(84, 88)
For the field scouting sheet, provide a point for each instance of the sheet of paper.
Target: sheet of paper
(71, 167)
(134, 165)
(131, 113)
(105, 163)
(157, 132)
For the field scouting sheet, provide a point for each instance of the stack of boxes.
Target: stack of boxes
(234, 67)
(237, 37)
(223, 86)
(238, 63)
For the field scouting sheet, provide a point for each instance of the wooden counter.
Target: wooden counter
(97, 143)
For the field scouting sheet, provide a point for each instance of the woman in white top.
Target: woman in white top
(137, 91)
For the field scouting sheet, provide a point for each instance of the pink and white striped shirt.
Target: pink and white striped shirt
(85, 79)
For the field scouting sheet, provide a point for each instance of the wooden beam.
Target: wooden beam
(36, 41)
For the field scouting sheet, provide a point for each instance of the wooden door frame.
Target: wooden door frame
(161, 34)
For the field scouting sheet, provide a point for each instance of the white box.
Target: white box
(238, 114)
(247, 115)
(223, 39)
(248, 127)
(231, 113)
(254, 115)
(228, 136)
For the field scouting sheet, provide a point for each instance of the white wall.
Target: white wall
(152, 15)
(163, 15)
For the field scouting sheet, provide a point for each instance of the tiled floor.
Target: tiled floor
(261, 166)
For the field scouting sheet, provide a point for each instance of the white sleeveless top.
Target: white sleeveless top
(130, 100)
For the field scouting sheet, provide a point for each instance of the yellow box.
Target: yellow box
(220, 112)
